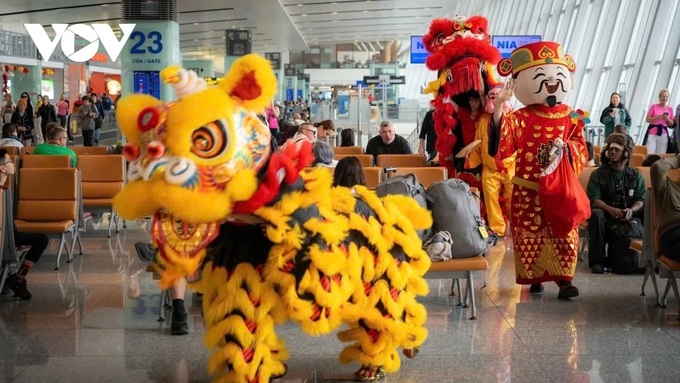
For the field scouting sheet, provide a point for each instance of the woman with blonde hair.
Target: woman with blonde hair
(660, 118)
(7, 108)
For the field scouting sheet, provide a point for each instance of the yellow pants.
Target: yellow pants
(492, 181)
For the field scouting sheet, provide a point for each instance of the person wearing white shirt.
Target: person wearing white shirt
(10, 136)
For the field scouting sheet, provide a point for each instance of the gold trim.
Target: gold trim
(524, 183)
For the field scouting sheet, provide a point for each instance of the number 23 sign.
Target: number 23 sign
(151, 42)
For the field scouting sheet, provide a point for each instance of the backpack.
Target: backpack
(621, 258)
(455, 209)
(407, 185)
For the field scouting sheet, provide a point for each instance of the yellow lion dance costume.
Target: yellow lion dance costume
(272, 242)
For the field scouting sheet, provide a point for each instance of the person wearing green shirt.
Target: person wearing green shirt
(617, 199)
(56, 144)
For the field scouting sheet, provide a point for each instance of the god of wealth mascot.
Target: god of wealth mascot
(271, 242)
(462, 54)
(548, 203)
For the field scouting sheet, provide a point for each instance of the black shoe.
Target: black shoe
(536, 288)
(145, 252)
(179, 325)
(597, 268)
(18, 287)
(567, 291)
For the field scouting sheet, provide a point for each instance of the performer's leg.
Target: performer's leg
(239, 310)
(596, 240)
(378, 330)
(491, 182)
(507, 191)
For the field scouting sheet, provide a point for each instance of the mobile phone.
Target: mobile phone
(665, 114)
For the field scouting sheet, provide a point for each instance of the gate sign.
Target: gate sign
(507, 44)
(418, 51)
(94, 34)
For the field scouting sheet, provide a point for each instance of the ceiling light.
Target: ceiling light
(299, 5)
(304, 14)
(365, 10)
(195, 23)
(335, 13)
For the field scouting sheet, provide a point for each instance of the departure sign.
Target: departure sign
(147, 82)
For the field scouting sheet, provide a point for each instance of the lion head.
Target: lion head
(461, 51)
(192, 160)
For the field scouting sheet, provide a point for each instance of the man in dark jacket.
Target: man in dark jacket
(617, 198)
(427, 137)
(47, 113)
(387, 142)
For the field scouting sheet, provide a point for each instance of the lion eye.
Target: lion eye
(210, 140)
(440, 38)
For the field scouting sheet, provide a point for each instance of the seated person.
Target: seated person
(324, 129)
(667, 202)
(10, 136)
(387, 142)
(349, 172)
(621, 129)
(306, 132)
(37, 241)
(179, 325)
(617, 194)
(56, 144)
(591, 156)
(347, 137)
(323, 155)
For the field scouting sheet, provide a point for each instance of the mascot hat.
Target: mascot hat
(534, 54)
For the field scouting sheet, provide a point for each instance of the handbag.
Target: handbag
(565, 203)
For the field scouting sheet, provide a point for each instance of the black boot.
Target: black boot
(18, 286)
(179, 325)
(567, 290)
(536, 288)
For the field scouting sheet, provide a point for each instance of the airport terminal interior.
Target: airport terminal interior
(103, 316)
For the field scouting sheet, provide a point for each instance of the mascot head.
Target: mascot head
(461, 51)
(192, 160)
(541, 71)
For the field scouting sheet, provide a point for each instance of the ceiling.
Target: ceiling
(277, 25)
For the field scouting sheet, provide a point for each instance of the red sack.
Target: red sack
(564, 202)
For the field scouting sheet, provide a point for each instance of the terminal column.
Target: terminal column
(153, 46)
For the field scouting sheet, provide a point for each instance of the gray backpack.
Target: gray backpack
(455, 209)
(406, 185)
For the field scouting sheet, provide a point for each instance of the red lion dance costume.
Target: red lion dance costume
(461, 52)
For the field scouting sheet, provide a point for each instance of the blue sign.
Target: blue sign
(418, 51)
(147, 82)
(289, 94)
(507, 44)
(299, 93)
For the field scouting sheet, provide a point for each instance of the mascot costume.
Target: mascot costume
(270, 240)
(548, 202)
(497, 171)
(462, 54)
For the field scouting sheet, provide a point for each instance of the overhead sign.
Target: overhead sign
(385, 79)
(418, 51)
(507, 44)
(274, 58)
(94, 34)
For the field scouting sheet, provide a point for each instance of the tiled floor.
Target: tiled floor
(82, 327)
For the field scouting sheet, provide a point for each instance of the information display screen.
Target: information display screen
(148, 82)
